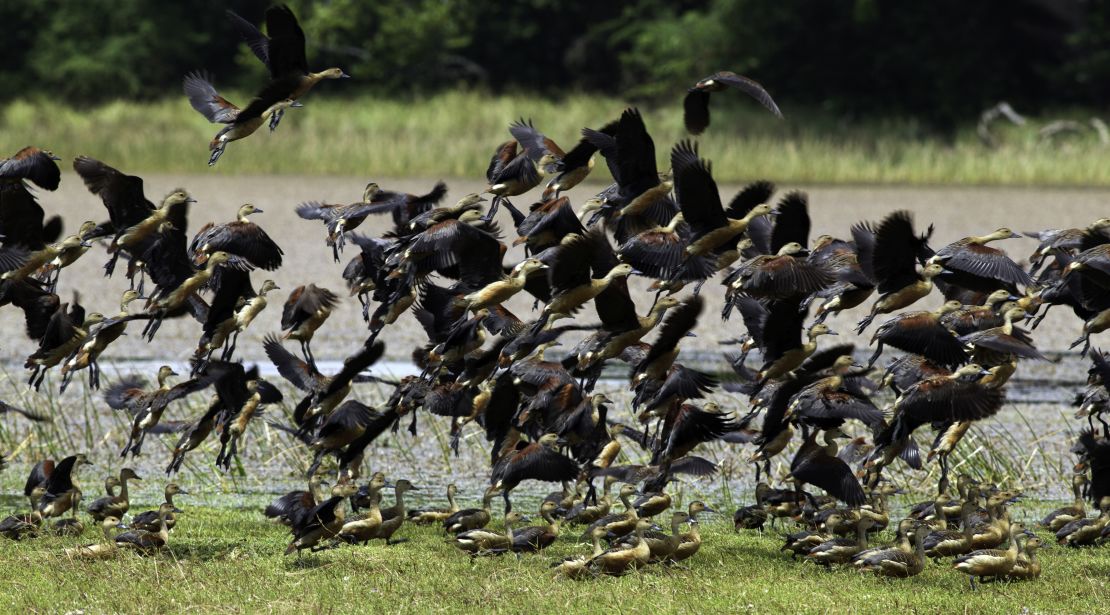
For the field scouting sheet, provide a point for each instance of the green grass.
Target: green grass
(453, 135)
(231, 561)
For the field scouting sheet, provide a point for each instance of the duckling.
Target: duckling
(989, 562)
(841, 550)
(146, 542)
(899, 562)
(149, 520)
(576, 567)
(115, 506)
(691, 539)
(97, 550)
(1066, 514)
(476, 542)
(1026, 567)
(472, 518)
(619, 560)
(429, 516)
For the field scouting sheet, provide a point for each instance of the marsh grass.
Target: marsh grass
(229, 560)
(453, 134)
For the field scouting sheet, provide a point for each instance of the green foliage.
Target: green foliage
(229, 561)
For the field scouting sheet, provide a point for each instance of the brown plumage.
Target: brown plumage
(696, 104)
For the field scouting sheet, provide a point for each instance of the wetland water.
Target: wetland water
(1035, 427)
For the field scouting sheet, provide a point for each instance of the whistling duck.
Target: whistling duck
(238, 123)
(946, 542)
(177, 297)
(140, 229)
(59, 492)
(621, 559)
(583, 513)
(569, 275)
(502, 290)
(21, 217)
(538, 537)
(899, 562)
(241, 238)
(1004, 340)
(974, 265)
(834, 397)
(890, 252)
(97, 550)
(1085, 532)
(472, 518)
(663, 545)
(428, 516)
(512, 172)
(115, 506)
(67, 331)
(324, 520)
(617, 524)
(651, 504)
(990, 532)
(989, 562)
(819, 466)
(959, 396)
(754, 516)
(696, 104)
(282, 50)
(537, 460)
(1096, 324)
(394, 516)
(16, 527)
(149, 520)
(340, 218)
(364, 527)
(575, 567)
(482, 541)
(99, 339)
(1026, 566)
(970, 318)
(841, 550)
(921, 333)
(146, 407)
(691, 539)
(1069, 240)
(701, 205)
(287, 508)
(146, 542)
(1066, 514)
(245, 309)
(304, 312)
(39, 259)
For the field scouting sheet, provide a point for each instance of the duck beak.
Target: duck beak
(177, 510)
(296, 104)
(190, 200)
(183, 492)
(832, 333)
(1015, 235)
(258, 211)
(710, 510)
(55, 157)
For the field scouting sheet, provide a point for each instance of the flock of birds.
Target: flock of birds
(483, 365)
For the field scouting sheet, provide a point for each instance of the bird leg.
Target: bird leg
(275, 119)
(508, 504)
(110, 266)
(493, 205)
(216, 153)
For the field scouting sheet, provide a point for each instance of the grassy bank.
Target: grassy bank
(453, 135)
(230, 561)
